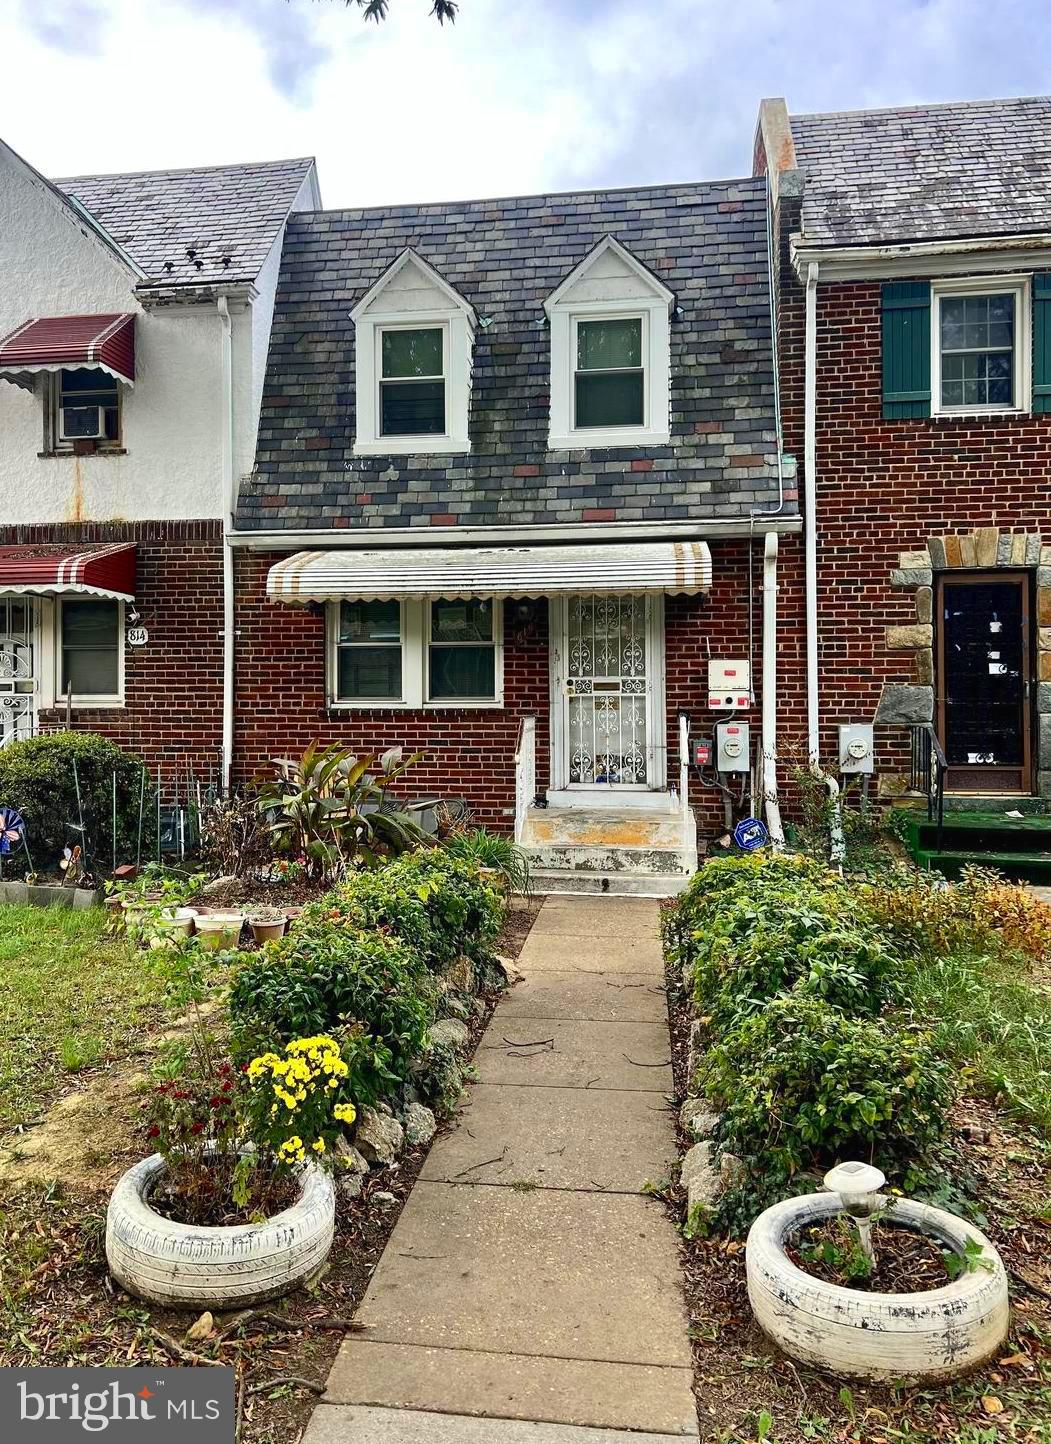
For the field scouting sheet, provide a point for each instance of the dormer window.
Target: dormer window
(413, 339)
(412, 381)
(610, 353)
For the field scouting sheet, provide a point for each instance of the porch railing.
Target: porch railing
(684, 767)
(927, 771)
(525, 773)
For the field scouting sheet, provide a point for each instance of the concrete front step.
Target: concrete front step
(602, 827)
(552, 881)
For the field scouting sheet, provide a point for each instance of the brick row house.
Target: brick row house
(914, 329)
(134, 325)
(521, 484)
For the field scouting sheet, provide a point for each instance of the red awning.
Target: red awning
(51, 343)
(49, 571)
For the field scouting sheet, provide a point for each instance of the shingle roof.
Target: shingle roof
(227, 215)
(706, 242)
(926, 172)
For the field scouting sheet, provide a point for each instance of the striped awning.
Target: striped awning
(52, 571)
(54, 343)
(547, 571)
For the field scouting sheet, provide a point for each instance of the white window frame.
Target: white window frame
(86, 699)
(52, 418)
(380, 380)
(1019, 288)
(644, 326)
(646, 297)
(415, 665)
(371, 318)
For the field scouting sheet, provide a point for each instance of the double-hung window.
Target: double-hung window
(412, 381)
(90, 650)
(610, 380)
(979, 348)
(445, 653)
(85, 405)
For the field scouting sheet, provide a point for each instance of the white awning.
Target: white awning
(542, 571)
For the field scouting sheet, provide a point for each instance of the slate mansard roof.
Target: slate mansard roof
(228, 215)
(926, 172)
(706, 242)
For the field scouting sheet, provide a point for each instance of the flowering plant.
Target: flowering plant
(297, 1102)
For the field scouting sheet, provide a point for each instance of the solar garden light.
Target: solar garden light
(858, 1185)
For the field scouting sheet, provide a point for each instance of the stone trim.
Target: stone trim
(984, 548)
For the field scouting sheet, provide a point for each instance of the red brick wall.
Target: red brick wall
(883, 488)
(173, 686)
(470, 752)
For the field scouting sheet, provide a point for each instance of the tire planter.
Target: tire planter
(933, 1334)
(225, 1267)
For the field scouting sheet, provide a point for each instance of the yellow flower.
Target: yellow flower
(345, 1112)
(318, 1145)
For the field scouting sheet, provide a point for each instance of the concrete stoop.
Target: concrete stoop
(626, 851)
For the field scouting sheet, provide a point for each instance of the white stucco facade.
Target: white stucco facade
(53, 264)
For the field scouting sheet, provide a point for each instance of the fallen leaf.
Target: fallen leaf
(991, 1404)
(204, 1328)
(1013, 1359)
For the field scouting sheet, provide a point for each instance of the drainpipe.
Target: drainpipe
(226, 452)
(773, 809)
(838, 846)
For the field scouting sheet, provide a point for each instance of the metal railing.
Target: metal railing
(927, 771)
(525, 773)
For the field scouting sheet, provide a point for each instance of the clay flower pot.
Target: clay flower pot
(268, 927)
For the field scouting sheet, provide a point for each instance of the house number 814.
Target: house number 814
(138, 636)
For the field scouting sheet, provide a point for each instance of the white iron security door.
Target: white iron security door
(18, 683)
(608, 732)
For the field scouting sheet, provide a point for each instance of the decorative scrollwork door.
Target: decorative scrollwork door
(17, 673)
(607, 687)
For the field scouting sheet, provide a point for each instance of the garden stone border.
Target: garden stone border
(45, 895)
(904, 704)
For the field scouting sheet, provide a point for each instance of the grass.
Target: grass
(993, 1018)
(70, 998)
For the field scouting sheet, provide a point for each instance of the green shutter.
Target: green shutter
(1042, 342)
(906, 348)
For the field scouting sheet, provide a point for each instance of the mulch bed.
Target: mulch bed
(905, 1262)
(69, 1312)
(738, 1373)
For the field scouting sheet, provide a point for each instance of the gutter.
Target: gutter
(813, 706)
(371, 538)
(919, 258)
(226, 453)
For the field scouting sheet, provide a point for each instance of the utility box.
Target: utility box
(701, 753)
(729, 684)
(856, 748)
(732, 750)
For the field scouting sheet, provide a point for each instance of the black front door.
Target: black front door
(983, 682)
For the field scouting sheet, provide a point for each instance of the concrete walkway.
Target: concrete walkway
(530, 1293)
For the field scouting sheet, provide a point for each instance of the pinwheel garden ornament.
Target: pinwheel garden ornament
(12, 831)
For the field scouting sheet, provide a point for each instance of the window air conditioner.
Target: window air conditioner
(81, 423)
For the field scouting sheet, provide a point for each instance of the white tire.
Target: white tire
(216, 1268)
(936, 1334)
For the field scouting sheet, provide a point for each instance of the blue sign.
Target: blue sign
(750, 834)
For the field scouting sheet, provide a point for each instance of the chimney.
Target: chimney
(774, 152)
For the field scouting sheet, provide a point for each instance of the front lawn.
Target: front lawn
(70, 998)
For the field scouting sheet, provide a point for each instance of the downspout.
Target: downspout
(226, 452)
(773, 808)
(838, 849)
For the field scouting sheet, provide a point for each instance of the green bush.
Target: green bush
(37, 778)
(804, 1083)
(327, 978)
(437, 905)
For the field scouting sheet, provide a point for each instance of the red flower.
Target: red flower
(216, 1102)
(197, 1128)
(153, 1131)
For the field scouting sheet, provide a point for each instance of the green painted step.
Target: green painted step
(1015, 866)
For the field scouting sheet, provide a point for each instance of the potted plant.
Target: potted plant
(238, 1204)
(220, 929)
(880, 1288)
(267, 924)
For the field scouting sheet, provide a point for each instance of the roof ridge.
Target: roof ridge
(918, 106)
(185, 170)
(533, 196)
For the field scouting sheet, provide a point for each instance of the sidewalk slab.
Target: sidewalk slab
(592, 997)
(344, 1424)
(569, 952)
(510, 1386)
(558, 1138)
(597, 917)
(570, 1275)
(631, 1056)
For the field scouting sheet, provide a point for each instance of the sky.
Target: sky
(518, 96)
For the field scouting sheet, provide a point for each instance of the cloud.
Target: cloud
(513, 98)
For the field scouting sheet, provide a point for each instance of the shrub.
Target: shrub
(328, 978)
(235, 838)
(804, 1083)
(37, 777)
(493, 850)
(980, 913)
(436, 904)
